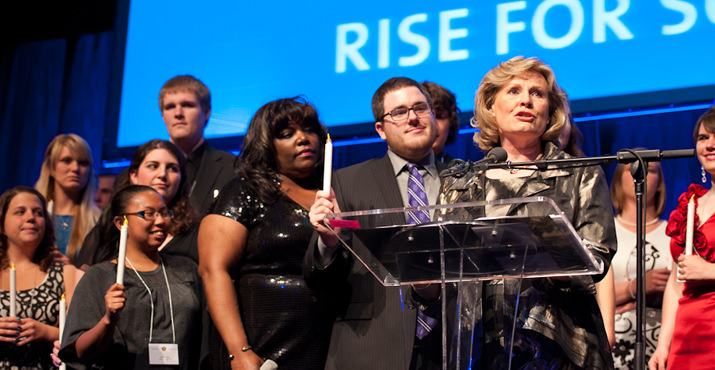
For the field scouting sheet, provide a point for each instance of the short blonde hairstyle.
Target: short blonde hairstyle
(494, 80)
(187, 83)
(87, 212)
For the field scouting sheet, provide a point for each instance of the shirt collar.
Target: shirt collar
(195, 156)
(398, 163)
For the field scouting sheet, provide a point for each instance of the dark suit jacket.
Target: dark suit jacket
(371, 332)
(215, 171)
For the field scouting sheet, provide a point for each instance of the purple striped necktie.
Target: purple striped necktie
(416, 196)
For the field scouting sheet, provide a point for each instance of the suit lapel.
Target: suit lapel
(385, 174)
(206, 176)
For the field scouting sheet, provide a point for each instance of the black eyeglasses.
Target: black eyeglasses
(401, 114)
(150, 214)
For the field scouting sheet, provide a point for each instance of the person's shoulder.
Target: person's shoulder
(362, 166)
(98, 277)
(219, 154)
(235, 187)
(101, 269)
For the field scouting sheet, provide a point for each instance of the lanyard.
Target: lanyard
(151, 300)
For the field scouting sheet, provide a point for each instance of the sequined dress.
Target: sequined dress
(284, 320)
(42, 304)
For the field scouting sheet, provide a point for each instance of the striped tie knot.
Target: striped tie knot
(416, 196)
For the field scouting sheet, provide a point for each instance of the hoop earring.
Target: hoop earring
(702, 172)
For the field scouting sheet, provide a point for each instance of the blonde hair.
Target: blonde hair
(87, 213)
(494, 80)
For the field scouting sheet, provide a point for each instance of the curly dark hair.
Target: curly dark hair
(257, 161)
(42, 256)
(445, 99)
(184, 213)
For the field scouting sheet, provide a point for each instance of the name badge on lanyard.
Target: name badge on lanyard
(163, 354)
(160, 353)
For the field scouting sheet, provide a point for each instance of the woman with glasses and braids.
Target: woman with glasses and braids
(154, 317)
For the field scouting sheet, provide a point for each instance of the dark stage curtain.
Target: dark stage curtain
(47, 88)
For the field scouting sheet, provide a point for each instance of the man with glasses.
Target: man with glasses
(371, 331)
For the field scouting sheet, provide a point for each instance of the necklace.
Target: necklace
(64, 221)
(648, 223)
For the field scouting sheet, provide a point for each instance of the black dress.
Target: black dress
(284, 320)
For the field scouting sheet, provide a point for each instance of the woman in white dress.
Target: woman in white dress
(658, 259)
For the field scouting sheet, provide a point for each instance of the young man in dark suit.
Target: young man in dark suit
(185, 104)
(373, 331)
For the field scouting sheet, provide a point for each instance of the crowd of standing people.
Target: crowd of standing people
(229, 263)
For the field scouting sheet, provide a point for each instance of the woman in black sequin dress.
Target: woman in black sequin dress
(252, 244)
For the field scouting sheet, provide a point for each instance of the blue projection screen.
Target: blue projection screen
(338, 53)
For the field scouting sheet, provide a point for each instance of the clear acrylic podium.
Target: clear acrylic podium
(465, 244)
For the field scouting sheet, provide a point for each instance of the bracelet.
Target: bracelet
(243, 349)
(630, 289)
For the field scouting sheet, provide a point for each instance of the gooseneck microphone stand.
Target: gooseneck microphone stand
(639, 169)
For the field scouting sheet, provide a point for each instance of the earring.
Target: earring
(702, 172)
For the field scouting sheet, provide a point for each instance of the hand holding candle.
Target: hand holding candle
(63, 317)
(327, 164)
(122, 252)
(13, 292)
(689, 231)
(690, 227)
(50, 207)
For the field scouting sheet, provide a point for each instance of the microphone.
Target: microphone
(653, 155)
(495, 155)
(459, 167)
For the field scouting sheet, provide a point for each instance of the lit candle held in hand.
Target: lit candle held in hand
(63, 317)
(327, 164)
(13, 292)
(690, 227)
(122, 251)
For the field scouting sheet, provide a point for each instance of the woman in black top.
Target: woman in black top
(257, 235)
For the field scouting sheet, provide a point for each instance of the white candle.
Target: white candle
(328, 164)
(122, 251)
(63, 317)
(13, 292)
(50, 207)
(690, 230)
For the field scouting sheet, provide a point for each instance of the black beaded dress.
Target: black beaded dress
(284, 320)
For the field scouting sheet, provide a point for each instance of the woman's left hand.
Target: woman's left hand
(35, 331)
(55, 355)
(695, 268)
